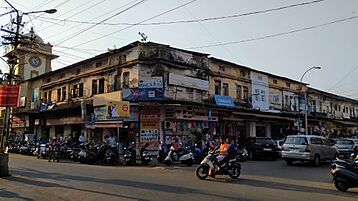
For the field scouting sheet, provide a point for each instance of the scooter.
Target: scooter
(43, 151)
(345, 174)
(176, 156)
(212, 161)
(242, 154)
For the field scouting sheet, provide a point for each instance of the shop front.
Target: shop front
(65, 126)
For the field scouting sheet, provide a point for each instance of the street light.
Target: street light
(306, 121)
(14, 39)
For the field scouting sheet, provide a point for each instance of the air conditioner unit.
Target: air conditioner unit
(168, 125)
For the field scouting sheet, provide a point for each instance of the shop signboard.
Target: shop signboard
(224, 101)
(138, 94)
(9, 95)
(64, 121)
(35, 100)
(150, 128)
(150, 83)
(185, 81)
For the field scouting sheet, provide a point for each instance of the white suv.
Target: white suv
(308, 148)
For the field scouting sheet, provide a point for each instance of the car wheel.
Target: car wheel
(316, 160)
(289, 161)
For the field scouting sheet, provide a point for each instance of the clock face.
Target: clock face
(35, 61)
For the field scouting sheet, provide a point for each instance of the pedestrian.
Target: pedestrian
(81, 139)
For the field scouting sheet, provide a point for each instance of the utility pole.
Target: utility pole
(14, 40)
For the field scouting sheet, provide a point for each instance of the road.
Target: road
(36, 179)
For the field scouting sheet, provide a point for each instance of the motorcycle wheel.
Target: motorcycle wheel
(202, 171)
(236, 171)
(189, 162)
(341, 185)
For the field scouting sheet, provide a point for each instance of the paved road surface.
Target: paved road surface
(34, 179)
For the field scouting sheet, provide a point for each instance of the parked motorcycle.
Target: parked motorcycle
(111, 158)
(212, 161)
(130, 156)
(54, 153)
(144, 155)
(161, 154)
(179, 156)
(43, 151)
(345, 173)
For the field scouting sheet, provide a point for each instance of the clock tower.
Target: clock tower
(34, 57)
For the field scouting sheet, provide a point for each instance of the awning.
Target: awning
(265, 116)
(109, 124)
(348, 123)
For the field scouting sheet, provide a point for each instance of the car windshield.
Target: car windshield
(265, 141)
(296, 140)
(344, 142)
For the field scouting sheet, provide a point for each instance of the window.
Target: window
(217, 87)
(45, 97)
(117, 83)
(336, 107)
(80, 90)
(259, 77)
(245, 94)
(62, 75)
(123, 58)
(189, 90)
(339, 107)
(238, 92)
(48, 80)
(94, 87)
(320, 106)
(225, 89)
(275, 81)
(34, 73)
(101, 86)
(98, 64)
(126, 79)
(242, 73)
(49, 96)
(78, 71)
(221, 68)
(315, 140)
(275, 98)
(58, 94)
(263, 94)
(314, 109)
(74, 91)
(63, 93)
(257, 93)
(288, 84)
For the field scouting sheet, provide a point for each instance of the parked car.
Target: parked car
(308, 148)
(279, 144)
(345, 147)
(261, 147)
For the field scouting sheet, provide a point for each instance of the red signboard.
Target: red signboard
(9, 95)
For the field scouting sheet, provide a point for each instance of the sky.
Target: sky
(277, 36)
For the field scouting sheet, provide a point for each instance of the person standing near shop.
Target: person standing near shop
(81, 139)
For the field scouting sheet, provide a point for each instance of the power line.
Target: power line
(275, 35)
(108, 18)
(344, 77)
(163, 13)
(189, 21)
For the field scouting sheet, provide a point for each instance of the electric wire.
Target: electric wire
(150, 18)
(275, 35)
(189, 21)
(106, 19)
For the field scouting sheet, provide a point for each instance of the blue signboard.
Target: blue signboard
(224, 101)
(138, 94)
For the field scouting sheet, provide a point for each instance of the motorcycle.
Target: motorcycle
(43, 151)
(54, 153)
(181, 156)
(242, 155)
(144, 156)
(161, 154)
(345, 174)
(212, 161)
(130, 155)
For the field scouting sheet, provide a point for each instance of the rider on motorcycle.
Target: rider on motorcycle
(54, 146)
(221, 158)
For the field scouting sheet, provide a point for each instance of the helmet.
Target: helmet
(54, 138)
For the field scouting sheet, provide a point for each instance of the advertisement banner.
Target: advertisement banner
(137, 94)
(149, 128)
(224, 101)
(116, 109)
(9, 95)
(152, 82)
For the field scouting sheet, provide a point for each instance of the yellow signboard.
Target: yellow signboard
(115, 109)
